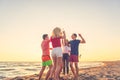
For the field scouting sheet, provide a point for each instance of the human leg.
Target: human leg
(77, 70)
(48, 73)
(63, 64)
(53, 67)
(72, 69)
(67, 64)
(41, 72)
(58, 67)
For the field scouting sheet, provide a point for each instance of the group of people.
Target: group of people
(63, 52)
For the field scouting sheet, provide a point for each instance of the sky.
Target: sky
(23, 22)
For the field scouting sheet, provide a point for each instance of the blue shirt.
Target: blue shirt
(74, 47)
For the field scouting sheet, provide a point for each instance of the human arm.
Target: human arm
(63, 38)
(63, 42)
(64, 35)
(82, 39)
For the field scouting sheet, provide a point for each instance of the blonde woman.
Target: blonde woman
(56, 52)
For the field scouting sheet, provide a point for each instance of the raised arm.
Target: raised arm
(64, 35)
(82, 39)
(64, 38)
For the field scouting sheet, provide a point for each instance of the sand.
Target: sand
(109, 71)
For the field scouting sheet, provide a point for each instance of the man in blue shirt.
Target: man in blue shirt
(74, 43)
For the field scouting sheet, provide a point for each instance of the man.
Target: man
(74, 55)
(46, 60)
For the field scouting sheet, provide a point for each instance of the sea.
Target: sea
(13, 69)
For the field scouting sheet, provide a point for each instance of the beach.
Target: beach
(109, 71)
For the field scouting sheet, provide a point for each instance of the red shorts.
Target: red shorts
(74, 58)
(46, 58)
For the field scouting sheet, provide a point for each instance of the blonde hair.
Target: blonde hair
(56, 32)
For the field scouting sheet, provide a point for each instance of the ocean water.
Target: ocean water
(13, 69)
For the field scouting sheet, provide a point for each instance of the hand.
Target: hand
(80, 55)
(63, 31)
(79, 34)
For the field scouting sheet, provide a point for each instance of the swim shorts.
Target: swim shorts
(46, 60)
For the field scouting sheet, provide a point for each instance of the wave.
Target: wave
(30, 69)
(3, 66)
(7, 69)
(27, 68)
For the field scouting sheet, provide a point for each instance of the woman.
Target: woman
(66, 54)
(56, 51)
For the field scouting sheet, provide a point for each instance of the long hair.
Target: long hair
(56, 32)
(66, 42)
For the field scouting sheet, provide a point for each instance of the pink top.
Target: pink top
(56, 42)
(66, 49)
(45, 47)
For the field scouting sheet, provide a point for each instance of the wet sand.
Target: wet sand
(109, 71)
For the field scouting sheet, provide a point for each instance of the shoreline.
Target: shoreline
(109, 71)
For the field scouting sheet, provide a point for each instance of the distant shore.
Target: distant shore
(109, 71)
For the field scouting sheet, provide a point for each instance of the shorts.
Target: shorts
(46, 60)
(57, 52)
(74, 58)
